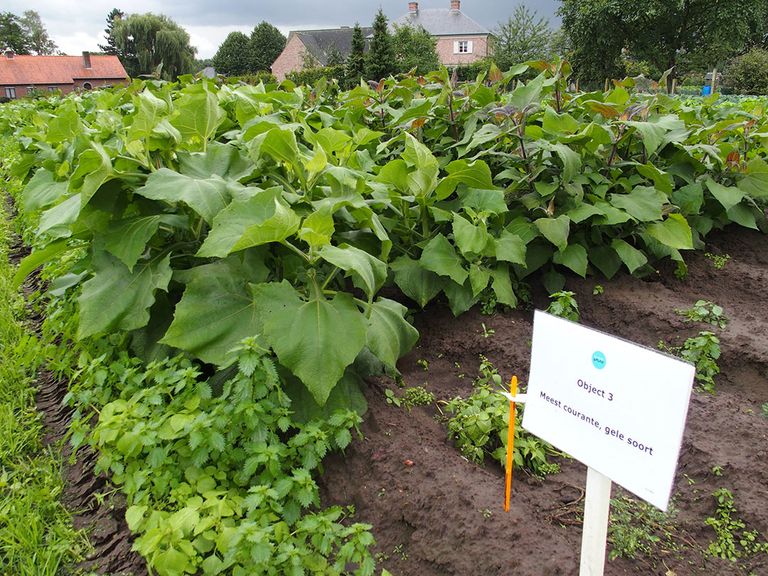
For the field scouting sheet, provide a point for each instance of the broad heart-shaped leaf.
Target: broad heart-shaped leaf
(470, 238)
(389, 335)
(483, 200)
(223, 160)
(369, 272)
(440, 257)
(315, 339)
(460, 297)
(744, 216)
(674, 232)
(555, 230)
(394, 172)
(56, 220)
(423, 180)
(510, 248)
(605, 259)
(95, 168)
(652, 135)
(150, 110)
(41, 191)
(197, 115)
(65, 125)
(502, 286)
(318, 228)
(116, 298)
(631, 256)
(574, 257)
(570, 158)
(525, 95)
(416, 282)
(206, 196)
(346, 395)
(474, 174)
(727, 196)
(281, 145)
(128, 239)
(644, 203)
(217, 310)
(260, 219)
(755, 182)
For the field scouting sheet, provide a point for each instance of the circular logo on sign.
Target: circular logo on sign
(598, 360)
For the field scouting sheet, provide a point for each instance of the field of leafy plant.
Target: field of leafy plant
(223, 265)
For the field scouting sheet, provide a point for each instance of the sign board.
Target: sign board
(617, 407)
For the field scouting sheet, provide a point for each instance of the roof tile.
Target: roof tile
(36, 70)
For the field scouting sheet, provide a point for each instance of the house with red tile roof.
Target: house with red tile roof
(19, 75)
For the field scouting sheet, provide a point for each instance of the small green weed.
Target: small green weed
(702, 351)
(598, 290)
(413, 396)
(637, 528)
(705, 311)
(487, 332)
(733, 540)
(478, 426)
(764, 408)
(564, 305)
(718, 261)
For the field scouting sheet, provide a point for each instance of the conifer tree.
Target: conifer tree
(380, 61)
(355, 64)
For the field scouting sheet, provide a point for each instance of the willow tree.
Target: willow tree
(148, 41)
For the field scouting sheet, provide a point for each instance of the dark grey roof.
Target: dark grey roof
(320, 43)
(442, 22)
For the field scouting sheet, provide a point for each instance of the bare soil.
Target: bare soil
(436, 514)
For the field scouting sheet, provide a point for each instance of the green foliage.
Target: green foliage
(733, 540)
(637, 529)
(354, 67)
(718, 260)
(266, 44)
(478, 425)
(412, 396)
(150, 42)
(703, 352)
(764, 408)
(217, 473)
(414, 48)
(564, 305)
(310, 76)
(705, 311)
(380, 60)
(523, 37)
(748, 73)
(111, 47)
(233, 58)
(12, 34)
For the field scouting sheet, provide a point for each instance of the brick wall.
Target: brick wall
(290, 59)
(445, 50)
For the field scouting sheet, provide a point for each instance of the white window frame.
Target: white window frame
(463, 47)
(10, 92)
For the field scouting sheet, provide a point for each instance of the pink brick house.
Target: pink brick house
(460, 40)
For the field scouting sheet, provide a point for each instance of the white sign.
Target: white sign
(617, 407)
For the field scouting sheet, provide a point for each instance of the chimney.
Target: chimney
(87, 59)
(413, 7)
(9, 53)
(456, 5)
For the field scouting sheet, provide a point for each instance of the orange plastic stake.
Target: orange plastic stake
(510, 444)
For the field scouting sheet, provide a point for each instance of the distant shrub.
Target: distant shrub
(748, 73)
(309, 76)
(254, 79)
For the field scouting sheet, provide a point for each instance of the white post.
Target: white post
(597, 504)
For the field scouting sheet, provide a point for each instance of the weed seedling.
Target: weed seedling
(718, 261)
(702, 351)
(423, 363)
(765, 409)
(705, 311)
(487, 332)
(564, 305)
(597, 290)
(392, 398)
(637, 528)
(417, 396)
(733, 540)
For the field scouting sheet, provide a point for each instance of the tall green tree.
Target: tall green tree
(111, 47)
(664, 33)
(149, 40)
(232, 58)
(380, 60)
(266, 43)
(355, 64)
(37, 36)
(12, 34)
(414, 47)
(524, 36)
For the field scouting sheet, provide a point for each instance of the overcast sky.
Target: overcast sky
(79, 25)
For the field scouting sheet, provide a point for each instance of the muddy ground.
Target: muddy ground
(440, 515)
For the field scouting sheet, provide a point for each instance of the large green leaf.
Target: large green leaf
(728, 196)
(281, 145)
(150, 110)
(475, 174)
(555, 230)
(502, 286)
(56, 220)
(631, 256)
(223, 160)
(318, 228)
(470, 238)
(674, 232)
(197, 115)
(755, 181)
(574, 257)
(116, 298)
(570, 158)
(510, 248)
(41, 191)
(261, 219)
(440, 257)
(95, 168)
(527, 94)
(644, 203)
(416, 282)
(217, 309)
(605, 259)
(460, 297)
(368, 271)
(315, 339)
(423, 180)
(483, 200)
(128, 239)
(206, 196)
(389, 335)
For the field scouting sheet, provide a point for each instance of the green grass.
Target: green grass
(36, 533)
